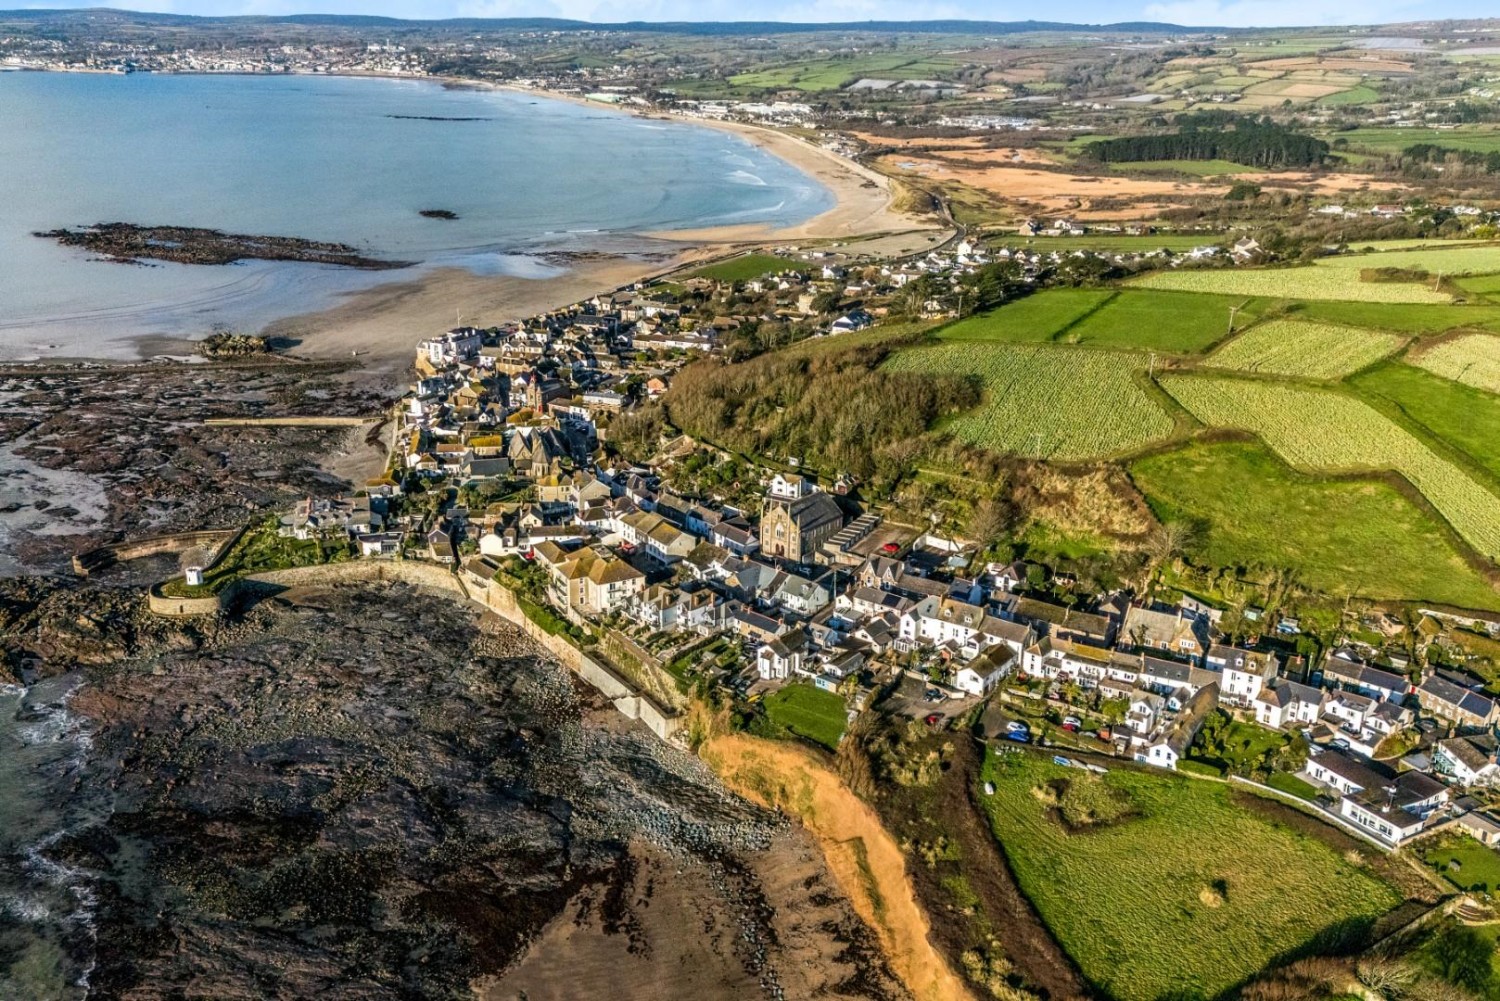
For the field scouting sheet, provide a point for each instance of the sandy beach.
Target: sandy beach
(381, 326)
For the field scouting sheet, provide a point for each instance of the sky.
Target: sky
(1229, 13)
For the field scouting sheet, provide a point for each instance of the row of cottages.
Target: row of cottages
(1393, 808)
(1468, 762)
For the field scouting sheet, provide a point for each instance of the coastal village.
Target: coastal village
(775, 581)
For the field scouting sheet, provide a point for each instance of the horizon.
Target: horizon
(1267, 14)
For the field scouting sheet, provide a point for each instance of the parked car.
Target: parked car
(1073, 721)
(933, 719)
(1019, 736)
(890, 547)
(1339, 744)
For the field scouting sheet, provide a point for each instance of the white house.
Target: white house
(1286, 703)
(981, 675)
(1243, 673)
(782, 657)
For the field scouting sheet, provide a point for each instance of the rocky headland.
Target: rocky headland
(127, 243)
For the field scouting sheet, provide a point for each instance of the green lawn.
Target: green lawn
(740, 269)
(1465, 417)
(1185, 895)
(1252, 510)
(1480, 139)
(1354, 95)
(1175, 322)
(1293, 785)
(808, 712)
(1464, 862)
(1243, 744)
(1038, 317)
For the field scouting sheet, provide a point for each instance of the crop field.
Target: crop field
(1305, 350)
(1292, 283)
(1466, 418)
(739, 269)
(1354, 95)
(1473, 260)
(1037, 317)
(1180, 892)
(1472, 359)
(1483, 285)
(1320, 430)
(808, 712)
(1176, 322)
(1405, 317)
(1046, 402)
(1338, 536)
(833, 73)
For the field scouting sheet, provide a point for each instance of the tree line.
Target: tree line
(1253, 143)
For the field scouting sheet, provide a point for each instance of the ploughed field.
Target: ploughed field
(1372, 382)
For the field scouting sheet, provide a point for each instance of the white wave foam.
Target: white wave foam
(745, 177)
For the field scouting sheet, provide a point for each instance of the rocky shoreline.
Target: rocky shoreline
(376, 792)
(127, 243)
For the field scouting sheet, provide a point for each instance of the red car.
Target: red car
(933, 719)
(890, 547)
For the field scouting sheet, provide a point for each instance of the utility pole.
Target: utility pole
(1232, 311)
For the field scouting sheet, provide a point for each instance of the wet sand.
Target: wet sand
(380, 327)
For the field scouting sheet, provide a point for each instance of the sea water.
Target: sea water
(351, 160)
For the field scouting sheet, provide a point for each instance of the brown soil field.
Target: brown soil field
(1049, 191)
(1311, 89)
(861, 854)
(1321, 184)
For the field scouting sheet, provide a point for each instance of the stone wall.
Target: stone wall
(181, 542)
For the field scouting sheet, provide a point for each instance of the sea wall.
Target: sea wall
(180, 542)
(470, 587)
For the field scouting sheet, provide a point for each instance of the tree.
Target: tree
(1464, 957)
(987, 521)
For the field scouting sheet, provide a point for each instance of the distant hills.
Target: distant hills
(941, 27)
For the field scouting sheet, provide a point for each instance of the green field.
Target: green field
(740, 269)
(838, 71)
(1037, 317)
(1480, 139)
(1292, 283)
(1354, 95)
(1472, 359)
(1481, 259)
(1320, 430)
(1483, 285)
(1305, 350)
(1175, 322)
(1339, 537)
(1186, 895)
(1464, 417)
(1045, 401)
(808, 712)
(1464, 862)
(1405, 317)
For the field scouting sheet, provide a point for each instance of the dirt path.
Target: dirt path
(863, 857)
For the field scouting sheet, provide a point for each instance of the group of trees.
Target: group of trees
(1254, 142)
(834, 409)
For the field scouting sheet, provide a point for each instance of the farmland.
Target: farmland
(1046, 401)
(1292, 283)
(1197, 168)
(1320, 430)
(1472, 260)
(1305, 350)
(1038, 317)
(1466, 418)
(1472, 359)
(1185, 893)
(1161, 321)
(1405, 317)
(1363, 537)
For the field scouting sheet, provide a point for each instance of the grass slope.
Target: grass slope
(1186, 898)
(1464, 417)
(1405, 317)
(1045, 401)
(740, 269)
(1293, 283)
(1340, 537)
(1176, 322)
(1321, 430)
(1038, 317)
(808, 712)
